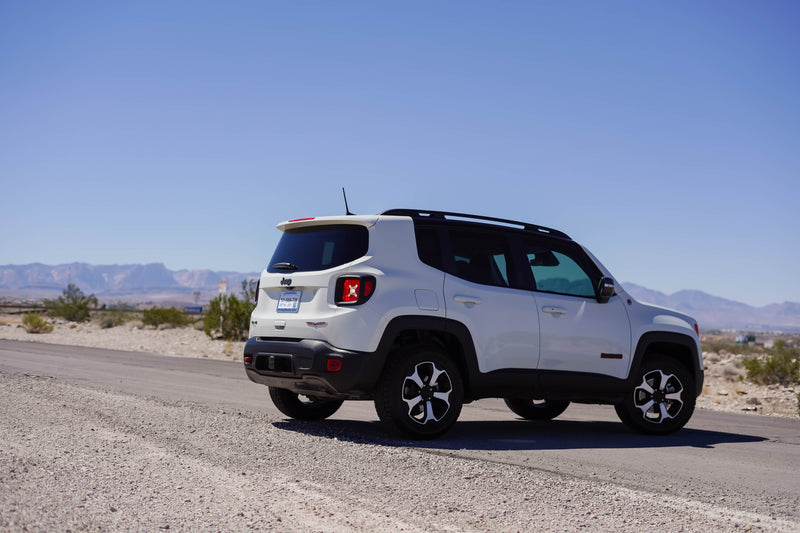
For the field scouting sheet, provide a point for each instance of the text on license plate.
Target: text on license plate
(289, 301)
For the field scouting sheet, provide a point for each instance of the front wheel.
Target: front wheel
(420, 394)
(662, 399)
(536, 409)
(303, 407)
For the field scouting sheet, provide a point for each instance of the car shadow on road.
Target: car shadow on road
(520, 435)
(571, 435)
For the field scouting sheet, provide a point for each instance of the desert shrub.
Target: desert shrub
(34, 323)
(780, 365)
(72, 305)
(228, 316)
(115, 316)
(730, 347)
(164, 315)
(250, 292)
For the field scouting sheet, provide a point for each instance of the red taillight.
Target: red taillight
(696, 328)
(333, 365)
(258, 289)
(353, 290)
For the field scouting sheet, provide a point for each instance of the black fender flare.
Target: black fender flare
(687, 354)
(466, 357)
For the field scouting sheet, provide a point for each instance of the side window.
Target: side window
(481, 257)
(559, 272)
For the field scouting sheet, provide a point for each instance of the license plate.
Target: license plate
(289, 301)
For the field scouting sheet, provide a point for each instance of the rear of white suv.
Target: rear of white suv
(324, 302)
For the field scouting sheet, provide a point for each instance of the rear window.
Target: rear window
(319, 248)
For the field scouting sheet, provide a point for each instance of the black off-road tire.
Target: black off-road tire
(662, 399)
(420, 394)
(312, 408)
(536, 409)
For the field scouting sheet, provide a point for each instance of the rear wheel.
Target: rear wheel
(420, 394)
(662, 399)
(303, 407)
(536, 409)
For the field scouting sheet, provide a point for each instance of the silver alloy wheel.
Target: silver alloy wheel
(426, 392)
(658, 396)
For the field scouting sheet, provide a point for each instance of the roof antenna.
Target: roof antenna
(346, 209)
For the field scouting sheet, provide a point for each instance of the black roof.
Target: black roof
(417, 214)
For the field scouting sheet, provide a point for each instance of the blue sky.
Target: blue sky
(663, 135)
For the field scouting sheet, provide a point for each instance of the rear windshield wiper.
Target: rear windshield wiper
(285, 266)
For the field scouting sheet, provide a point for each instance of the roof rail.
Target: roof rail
(444, 215)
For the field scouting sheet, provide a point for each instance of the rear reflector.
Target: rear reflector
(369, 286)
(333, 365)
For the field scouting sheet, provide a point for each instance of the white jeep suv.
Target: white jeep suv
(422, 311)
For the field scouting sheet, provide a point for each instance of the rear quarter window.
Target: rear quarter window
(429, 247)
(319, 247)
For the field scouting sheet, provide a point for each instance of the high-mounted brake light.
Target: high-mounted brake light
(354, 290)
(302, 219)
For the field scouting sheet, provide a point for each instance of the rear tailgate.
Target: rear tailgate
(295, 297)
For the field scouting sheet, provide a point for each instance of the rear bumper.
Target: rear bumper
(301, 365)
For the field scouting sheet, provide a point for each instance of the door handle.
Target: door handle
(467, 300)
(553, 310)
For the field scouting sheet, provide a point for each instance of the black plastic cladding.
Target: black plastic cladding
(442, 215)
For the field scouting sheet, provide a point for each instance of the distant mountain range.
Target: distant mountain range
(151, 283)
(154, 283)
(712, 312)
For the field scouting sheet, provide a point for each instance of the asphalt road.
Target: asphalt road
(746, 462)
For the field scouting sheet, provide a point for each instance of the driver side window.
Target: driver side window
(557, 272)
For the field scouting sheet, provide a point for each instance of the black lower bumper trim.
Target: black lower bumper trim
(303, 366)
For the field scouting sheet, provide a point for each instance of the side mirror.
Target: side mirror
(605, 290)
